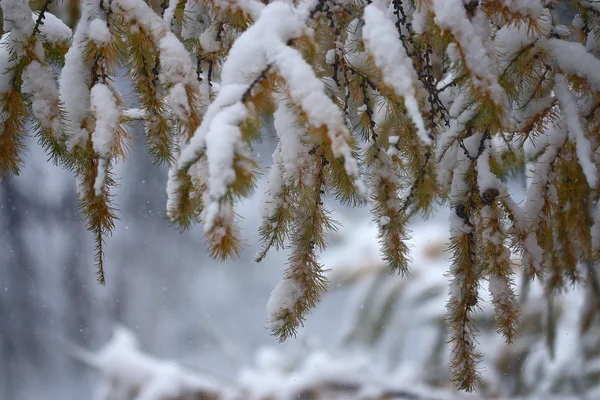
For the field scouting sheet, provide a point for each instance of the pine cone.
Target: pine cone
(489, 196)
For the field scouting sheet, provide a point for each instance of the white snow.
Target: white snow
(208, 40)
(98, 32)
(193, 26)
(530, 8)
(582, 144)
(139, 12)
(126, 369)
(53, 30)
(451, 15)
(103, 106)
(289, 158)
(175, 62)
(381, 40)
(283, 298)
(485, 178)
(17, 21)
(535, 193)
(169, 14)
(39, 83)
(178, 74)
(263, 44)
(573, 58)
(75, 77)
(308, 91)
(223, 138)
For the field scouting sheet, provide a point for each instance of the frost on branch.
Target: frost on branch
(400, 105)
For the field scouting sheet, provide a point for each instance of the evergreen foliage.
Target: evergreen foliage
(396, 105)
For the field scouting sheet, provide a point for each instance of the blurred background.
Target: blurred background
(210, 317)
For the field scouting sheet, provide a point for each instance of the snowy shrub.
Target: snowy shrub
(396, 105)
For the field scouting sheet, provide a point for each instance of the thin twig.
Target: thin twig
(41, 16)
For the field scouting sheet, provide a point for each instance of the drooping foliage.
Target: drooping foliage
(395, 105)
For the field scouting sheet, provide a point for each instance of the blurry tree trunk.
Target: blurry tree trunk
(19, 310)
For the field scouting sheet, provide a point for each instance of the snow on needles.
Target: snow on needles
(104, 108)
(98, 32)
(574, 59)
(169, 13)
(309, 91)
(17, 21)
(451, 15)
(53, 30)
(283, 299)
(293, 152)
(531, 8)
(75, 77)
(289, 158)
(576, 134)
(261, 47)
(223, 138)
(177, 72)
(486, 179)
(380, 36)
(39, 83)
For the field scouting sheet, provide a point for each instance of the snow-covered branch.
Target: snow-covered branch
(400, 105)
